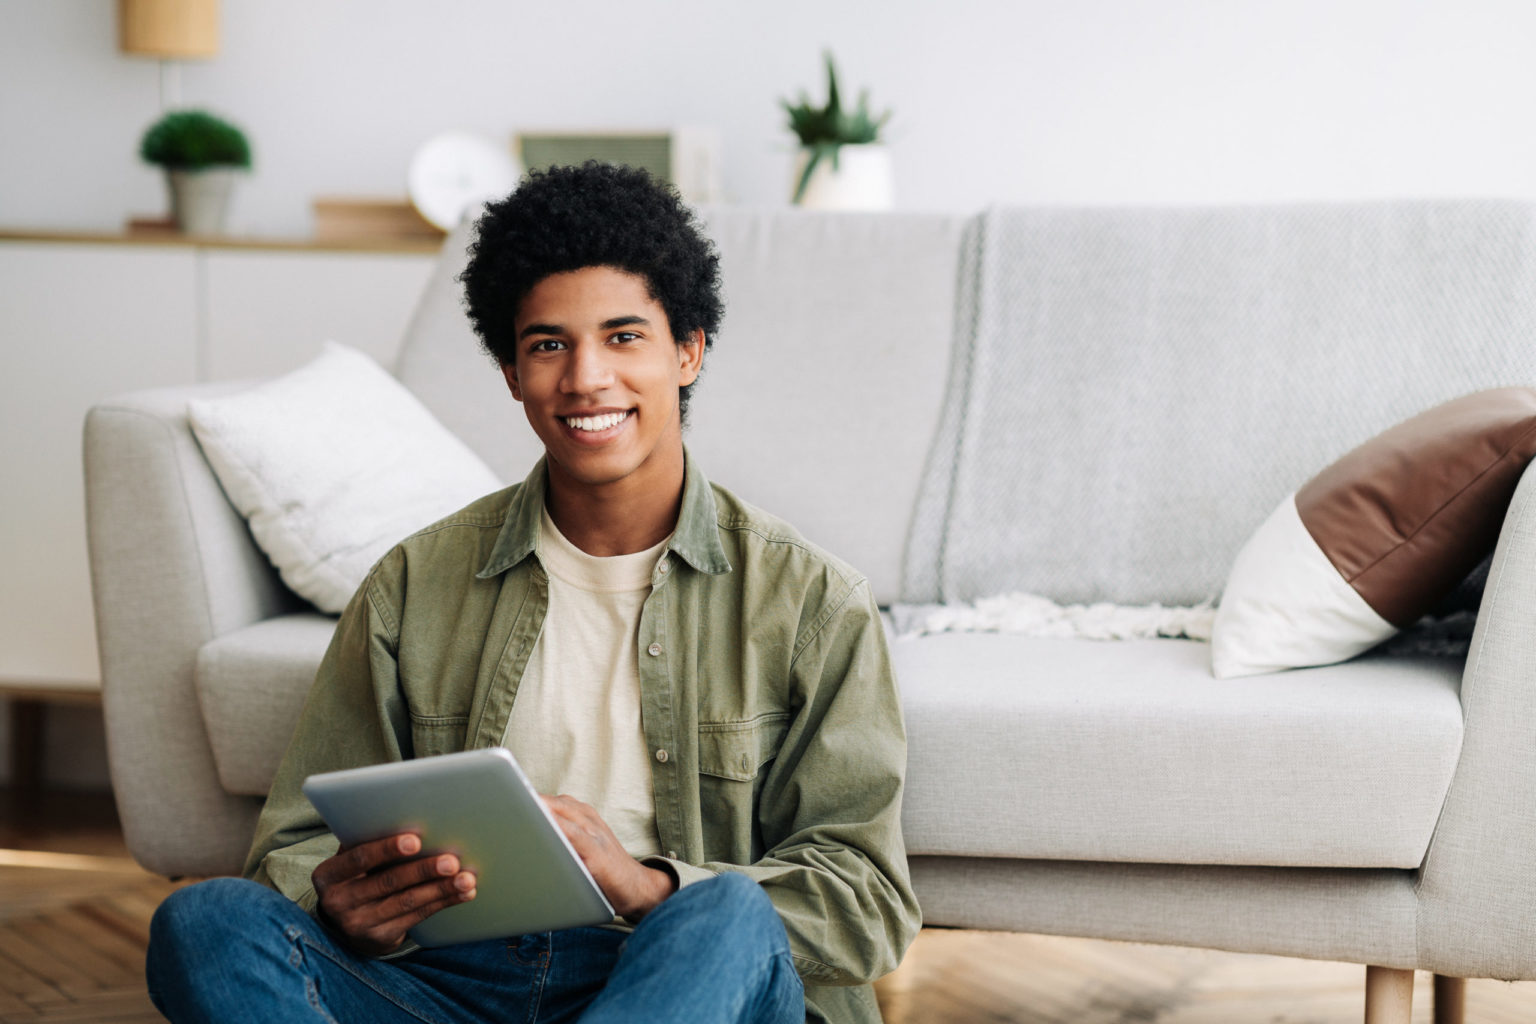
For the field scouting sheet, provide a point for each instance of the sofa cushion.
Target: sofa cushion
(1079, 750)
(333, 464)
(822, 395)
(1378, 538)
(1130, 751)
(251, 684)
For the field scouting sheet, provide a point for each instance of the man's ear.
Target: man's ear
(690, 357)
(509, 371)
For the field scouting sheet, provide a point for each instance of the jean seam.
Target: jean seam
(537, 996)
(312, 993)
(779, 961)
(344, 965)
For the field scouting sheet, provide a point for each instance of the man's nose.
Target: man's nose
(587, 370)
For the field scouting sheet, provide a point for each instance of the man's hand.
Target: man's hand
(632, 888)
(374, 891)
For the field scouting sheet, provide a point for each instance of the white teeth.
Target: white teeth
(596, 423)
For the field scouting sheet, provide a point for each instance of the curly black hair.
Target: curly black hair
(595, 215)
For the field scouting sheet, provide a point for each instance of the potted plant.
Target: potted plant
(842, 164)
(201, 155)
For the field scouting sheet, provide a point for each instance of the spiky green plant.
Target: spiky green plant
(824, 130)
(192, 140)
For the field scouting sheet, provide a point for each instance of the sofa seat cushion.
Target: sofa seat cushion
(251, 684)
(1130, 751)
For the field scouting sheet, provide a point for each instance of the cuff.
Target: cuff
(686, 874)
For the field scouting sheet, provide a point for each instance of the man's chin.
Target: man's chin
(593, 468)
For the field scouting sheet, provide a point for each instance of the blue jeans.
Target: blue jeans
(232, 951)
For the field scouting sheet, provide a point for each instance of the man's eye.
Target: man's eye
(626, 336)
(545, 345)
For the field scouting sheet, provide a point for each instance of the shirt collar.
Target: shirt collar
(697, 537)
(696, 540)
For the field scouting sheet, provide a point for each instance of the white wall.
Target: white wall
(1098, 101)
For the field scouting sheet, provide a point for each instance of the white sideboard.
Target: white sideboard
(84, 318)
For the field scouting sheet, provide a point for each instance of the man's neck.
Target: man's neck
(619, 518)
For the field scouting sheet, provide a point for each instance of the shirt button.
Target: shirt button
(654, 650)
(671, 855)
(663, 567)
(661, 755)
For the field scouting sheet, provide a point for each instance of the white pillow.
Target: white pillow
(332, 465)
(1286, 606)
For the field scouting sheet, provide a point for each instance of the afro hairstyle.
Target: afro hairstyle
(595, 215)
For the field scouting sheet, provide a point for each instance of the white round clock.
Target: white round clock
(455, 171)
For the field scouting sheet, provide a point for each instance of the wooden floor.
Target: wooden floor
(74, 917)
(74, 913)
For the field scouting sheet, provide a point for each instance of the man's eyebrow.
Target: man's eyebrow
(532, 329)
(607, 325)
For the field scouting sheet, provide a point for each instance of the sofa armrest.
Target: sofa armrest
(1477, 903)
(172, 566)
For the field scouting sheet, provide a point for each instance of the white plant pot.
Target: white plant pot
(862, 180)
(200, 199)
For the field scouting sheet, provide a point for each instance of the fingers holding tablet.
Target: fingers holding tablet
(373, 892)
(633, 888)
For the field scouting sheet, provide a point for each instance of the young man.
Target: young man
(706, 696)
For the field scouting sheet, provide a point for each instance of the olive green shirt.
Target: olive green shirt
(766, 694)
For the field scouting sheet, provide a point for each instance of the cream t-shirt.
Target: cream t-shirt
(575, 725)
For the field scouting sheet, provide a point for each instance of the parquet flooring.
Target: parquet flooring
(74, 924)
(74, 913)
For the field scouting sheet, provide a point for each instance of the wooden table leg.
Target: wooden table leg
(28, 703)
(28, 720)
(1450, 1000)
(1388, 996)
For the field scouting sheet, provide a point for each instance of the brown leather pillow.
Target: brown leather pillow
(1407, 515)
(1377, 539)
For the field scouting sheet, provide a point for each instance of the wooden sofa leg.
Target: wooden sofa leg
(1450, 1000)
(1388, 996)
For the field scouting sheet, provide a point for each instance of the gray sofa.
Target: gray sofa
(1172, 375)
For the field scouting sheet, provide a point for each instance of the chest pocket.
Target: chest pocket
(438, 734)
(732, 756)
(737, 750)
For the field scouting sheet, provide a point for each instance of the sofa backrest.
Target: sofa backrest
(1168, 376)
(820, 396)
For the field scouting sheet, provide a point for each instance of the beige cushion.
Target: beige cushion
(1130, 751)
(251, 684)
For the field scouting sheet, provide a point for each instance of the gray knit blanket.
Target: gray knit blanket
(1133, 391)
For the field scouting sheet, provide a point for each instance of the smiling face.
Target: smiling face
(598, 371)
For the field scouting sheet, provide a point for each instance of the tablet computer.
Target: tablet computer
(479, 805)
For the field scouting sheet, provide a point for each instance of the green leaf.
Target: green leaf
(805, 175)
(831, 124)
(834, 106)
(192, 140)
